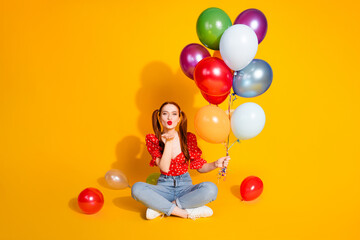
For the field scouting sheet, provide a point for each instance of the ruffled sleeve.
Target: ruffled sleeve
(152, 144)
(196, 161)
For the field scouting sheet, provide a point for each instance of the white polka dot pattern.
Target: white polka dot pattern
(178, 164)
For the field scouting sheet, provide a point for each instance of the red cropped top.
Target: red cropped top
(178, 164)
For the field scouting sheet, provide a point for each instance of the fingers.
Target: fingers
(223, 162)
(226, 161)
(168, 136)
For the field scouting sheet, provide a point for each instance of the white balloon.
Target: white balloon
(238, 46)
(247, 121)
(116, 179)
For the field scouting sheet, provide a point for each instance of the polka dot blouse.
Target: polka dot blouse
(178, 164)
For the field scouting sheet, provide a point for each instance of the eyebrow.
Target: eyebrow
(172, 111)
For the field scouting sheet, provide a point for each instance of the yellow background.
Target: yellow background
(80, 79)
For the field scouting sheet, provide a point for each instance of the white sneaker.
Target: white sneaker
(151, 213)
(199, 212)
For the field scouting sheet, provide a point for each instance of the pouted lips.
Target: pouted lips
(169, 122)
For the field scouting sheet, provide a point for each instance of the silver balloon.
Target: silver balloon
(253, 80)
(116, 179)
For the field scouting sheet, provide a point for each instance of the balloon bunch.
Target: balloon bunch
(91, 200)
(232, 65)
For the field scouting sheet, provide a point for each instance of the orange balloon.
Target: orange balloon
(217, 54)
(212, 124)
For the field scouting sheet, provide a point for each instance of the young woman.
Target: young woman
(174, 152)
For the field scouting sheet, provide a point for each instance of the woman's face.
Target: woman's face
(169, 116)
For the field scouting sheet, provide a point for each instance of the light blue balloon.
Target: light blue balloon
(253, 80)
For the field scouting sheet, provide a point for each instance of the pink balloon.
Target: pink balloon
(256, 20)
(190, 56)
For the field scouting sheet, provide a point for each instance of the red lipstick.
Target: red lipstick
(169, 122)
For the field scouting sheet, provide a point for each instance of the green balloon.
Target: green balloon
(152, 178)
(211, 25)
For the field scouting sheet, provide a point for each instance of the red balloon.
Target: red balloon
(251, 188)
(90, 200)
(213, 76)
(215, 99)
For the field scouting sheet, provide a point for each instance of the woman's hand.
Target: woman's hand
(222, 162)
(168, 136)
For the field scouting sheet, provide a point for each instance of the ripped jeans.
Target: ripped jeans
(169, 188)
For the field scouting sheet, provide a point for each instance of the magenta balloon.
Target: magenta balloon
(190, 56)
(256, 20)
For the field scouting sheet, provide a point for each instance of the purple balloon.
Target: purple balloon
(190, 56)
(256, 20)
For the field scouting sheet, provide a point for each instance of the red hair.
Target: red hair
(182, 128)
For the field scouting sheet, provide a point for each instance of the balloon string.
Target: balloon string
(222, 172)
(227, 144)
(238, 140)
(234, 98)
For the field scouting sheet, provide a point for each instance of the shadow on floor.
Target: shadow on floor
(130, 204)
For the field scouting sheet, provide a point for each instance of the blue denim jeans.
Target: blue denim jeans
(169, 188)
